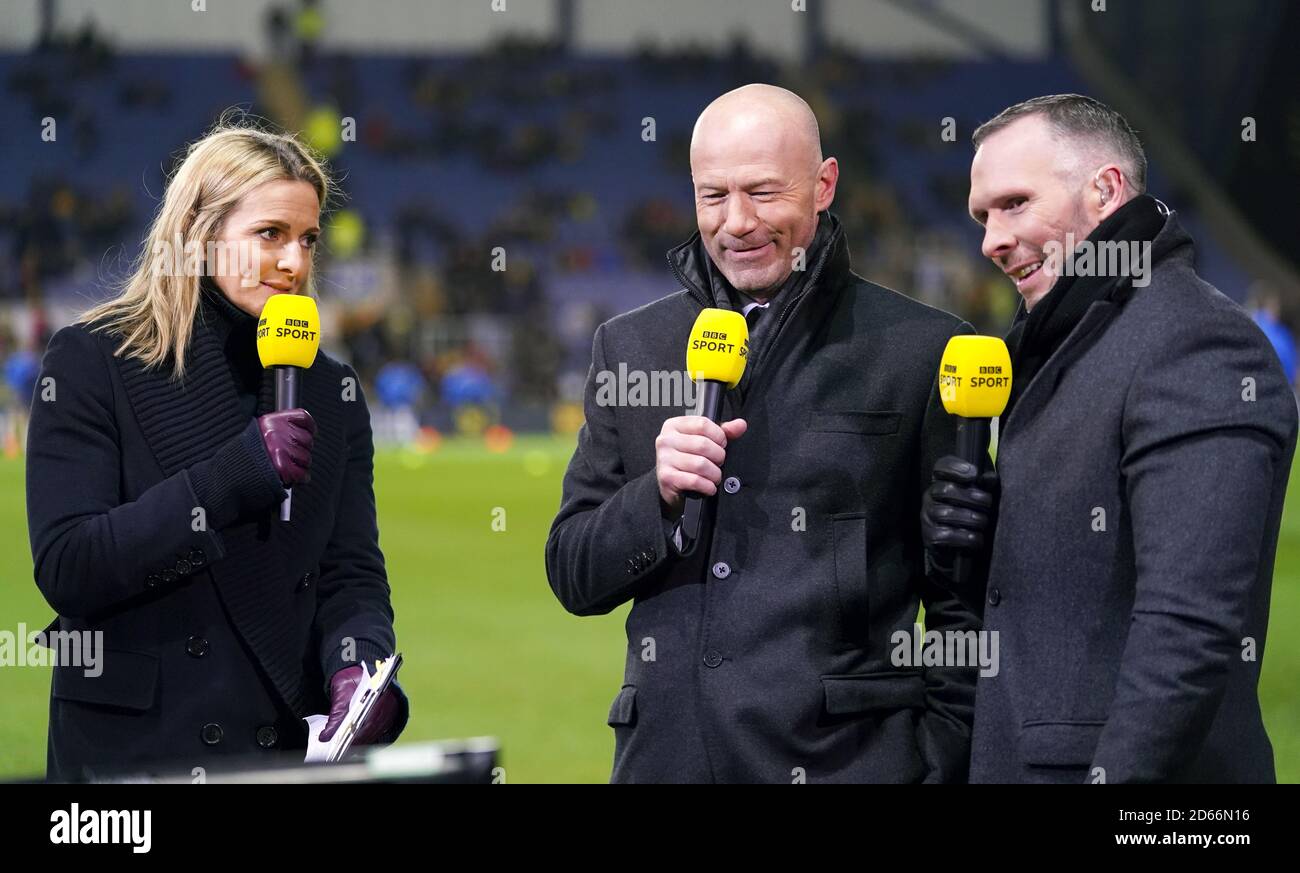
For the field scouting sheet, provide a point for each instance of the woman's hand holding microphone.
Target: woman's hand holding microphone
(287, 436)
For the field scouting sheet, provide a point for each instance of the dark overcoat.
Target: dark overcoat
(1143, 471)
(765, 656)
(153, 514)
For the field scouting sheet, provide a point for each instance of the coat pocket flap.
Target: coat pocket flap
(125, 679)
(623, 711)
(1059, 743)
(867, 692)
(877, 422)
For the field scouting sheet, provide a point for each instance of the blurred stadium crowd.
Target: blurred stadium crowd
(569, 171)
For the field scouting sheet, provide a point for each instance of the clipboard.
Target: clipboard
(367, 694)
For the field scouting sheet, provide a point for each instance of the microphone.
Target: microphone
(715, 360)
(974, 384)
(288, 337)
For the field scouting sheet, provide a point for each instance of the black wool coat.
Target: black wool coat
(153, 514)
(765, 656)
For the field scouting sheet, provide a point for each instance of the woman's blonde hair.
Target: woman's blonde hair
(155, 307)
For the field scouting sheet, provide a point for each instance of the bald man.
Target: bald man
(768, 650)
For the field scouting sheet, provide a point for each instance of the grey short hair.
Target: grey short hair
(1073, 116)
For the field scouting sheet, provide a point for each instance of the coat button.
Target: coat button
(268, 737)
(196, 647)
(211, 734)
(305, 582)
(197, 558)
(151, 581)
(731, 485)
(721, 570)
(713, 658)
(184, 567)
(995, 596)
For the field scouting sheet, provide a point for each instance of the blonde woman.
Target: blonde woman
(155, 469)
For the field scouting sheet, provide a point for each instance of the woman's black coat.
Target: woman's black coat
(153, 514)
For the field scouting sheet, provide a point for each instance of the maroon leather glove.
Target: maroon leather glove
(343, 685)
(287, 436)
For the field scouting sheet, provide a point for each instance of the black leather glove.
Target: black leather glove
(958, 517)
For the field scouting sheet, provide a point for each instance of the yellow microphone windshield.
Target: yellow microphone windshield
(718, 347)
(288, 333)
(975, 376)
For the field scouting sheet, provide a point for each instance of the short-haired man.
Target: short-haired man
(1142, 462)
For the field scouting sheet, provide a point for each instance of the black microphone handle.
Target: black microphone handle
(973, 447)
(973, 435)
(708, 403)
(286, 387)
(286, 397)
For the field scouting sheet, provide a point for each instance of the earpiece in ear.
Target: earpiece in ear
(1104, 189)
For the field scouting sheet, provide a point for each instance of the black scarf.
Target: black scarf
(1036, 335)
(236, 332)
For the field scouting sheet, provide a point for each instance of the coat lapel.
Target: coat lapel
(185, 422)
(1039, 391)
